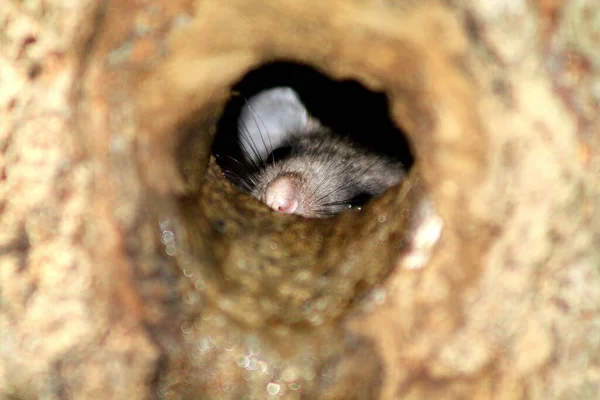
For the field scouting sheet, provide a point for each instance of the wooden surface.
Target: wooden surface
(130, 269)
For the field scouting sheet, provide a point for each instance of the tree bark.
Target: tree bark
(130, 268)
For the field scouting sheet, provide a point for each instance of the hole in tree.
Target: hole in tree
(345, 107)
(244, 261)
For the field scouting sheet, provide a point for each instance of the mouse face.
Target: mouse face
(296, 166)
(319, 174)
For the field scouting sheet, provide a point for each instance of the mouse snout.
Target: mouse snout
(282, 194)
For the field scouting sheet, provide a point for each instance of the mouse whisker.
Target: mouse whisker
(323, 213)
(338, 203)
(352, 181)
(238, 170)
(318, 186)
(238, 180)
(241, 164)
(247, 138)
(255, 115)
(324, 178)
(335, 190)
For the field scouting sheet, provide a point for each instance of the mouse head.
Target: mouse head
(297, 166)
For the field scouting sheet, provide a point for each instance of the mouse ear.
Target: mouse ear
(268, 119)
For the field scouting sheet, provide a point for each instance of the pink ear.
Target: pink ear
(282, 195)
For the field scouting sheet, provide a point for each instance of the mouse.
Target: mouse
(294, 164)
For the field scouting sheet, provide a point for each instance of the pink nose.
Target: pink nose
(281, 195)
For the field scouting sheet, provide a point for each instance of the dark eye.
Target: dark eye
(359, 200)
(279, 153)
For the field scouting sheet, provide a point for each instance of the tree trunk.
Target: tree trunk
(130, 268)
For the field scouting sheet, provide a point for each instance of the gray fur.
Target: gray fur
(332, 170)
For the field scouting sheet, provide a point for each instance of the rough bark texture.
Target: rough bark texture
(129, 268)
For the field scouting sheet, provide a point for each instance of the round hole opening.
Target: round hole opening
(262, 268)
(295, 100)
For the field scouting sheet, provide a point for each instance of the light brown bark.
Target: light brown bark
(129, 268)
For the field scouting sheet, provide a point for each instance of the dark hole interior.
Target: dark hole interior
(346, 107)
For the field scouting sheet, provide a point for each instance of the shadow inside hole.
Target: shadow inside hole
(344, 106)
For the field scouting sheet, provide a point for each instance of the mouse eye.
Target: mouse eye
(359, 200)
(279, 153)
